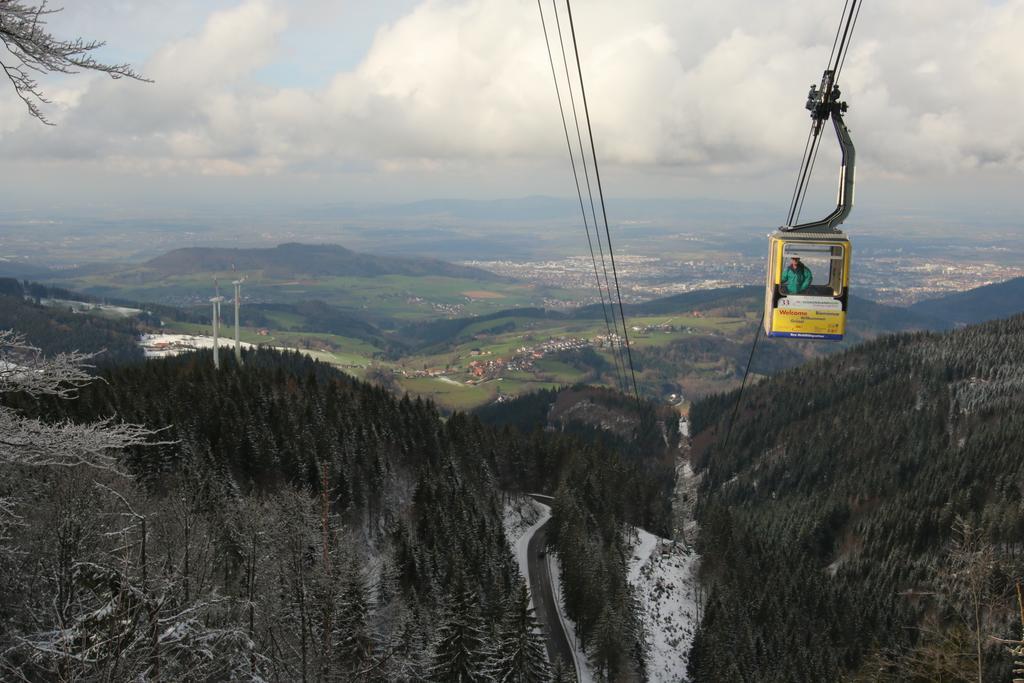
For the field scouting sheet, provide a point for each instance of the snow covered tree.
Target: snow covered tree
(26, 441)
(971, 576)
(460, 653)
(291, 526)
(562, 673)
(354, 642)
(119, 613)
(520, 655)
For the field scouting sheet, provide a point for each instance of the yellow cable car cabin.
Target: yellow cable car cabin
(808, 285)
(808, 279)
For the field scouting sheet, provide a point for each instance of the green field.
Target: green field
(332, 348)
(397, 297)
(549, 371)
(395, 312)
(461, 397)
(458, 389)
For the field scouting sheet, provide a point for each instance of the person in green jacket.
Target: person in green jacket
(797, 277)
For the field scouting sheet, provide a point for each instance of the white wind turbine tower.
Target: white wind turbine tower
(238, 300)
(216, 301)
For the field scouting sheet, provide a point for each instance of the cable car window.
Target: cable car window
(812, 270)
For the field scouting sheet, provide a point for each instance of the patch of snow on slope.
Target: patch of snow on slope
(664, 576)
(523, 517)
(645, 545)
(164, 345)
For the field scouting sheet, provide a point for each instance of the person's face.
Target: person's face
(794, 263)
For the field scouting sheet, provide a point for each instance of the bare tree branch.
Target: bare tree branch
(27, 441)
(33, 50)
(23, 368)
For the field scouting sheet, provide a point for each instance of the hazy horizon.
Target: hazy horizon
(259, 104)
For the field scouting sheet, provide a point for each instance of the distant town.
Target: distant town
(893, 280)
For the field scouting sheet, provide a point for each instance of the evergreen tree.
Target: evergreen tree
(520, 655)
(563, 673)
(460, 653)
(355, 644)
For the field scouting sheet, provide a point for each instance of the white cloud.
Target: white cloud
(689, 88)
(232, 44)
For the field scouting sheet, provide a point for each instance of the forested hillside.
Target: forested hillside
(55, 330)
(230, 545)
(977, 305)
(644, 438)
(865, 518)
(293, 259)
(595, 501)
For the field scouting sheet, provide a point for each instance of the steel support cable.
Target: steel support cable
(583, 154)
(590, 193)
(810, 172)
(836, 59)
(620, 374)
(844, 42)
(802, 180)
(807, 181)
(600, 194)
(842, 63)
(835, 41)
(805, 178)
(743, 383)
(794, 200)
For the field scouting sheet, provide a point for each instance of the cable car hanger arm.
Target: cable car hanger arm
(824, 104)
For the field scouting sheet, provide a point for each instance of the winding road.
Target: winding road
(544, 597)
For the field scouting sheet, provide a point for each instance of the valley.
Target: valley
(321, 362)
(511, 366)
(460, 335)
(379, 287)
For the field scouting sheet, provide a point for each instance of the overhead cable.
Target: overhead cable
(619, 365)
(604, 211)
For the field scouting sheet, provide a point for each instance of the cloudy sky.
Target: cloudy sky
(333, 100)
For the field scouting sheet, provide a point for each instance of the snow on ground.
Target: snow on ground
(664, 576)
(163, 345)
(80, 306)
(641, 551)
(522, 517)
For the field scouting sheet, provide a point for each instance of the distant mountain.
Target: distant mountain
(977, 305)
(318, 317)
(294, 260)
(23, 269)
(437, 335)
(539, 207)
(696, 300)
